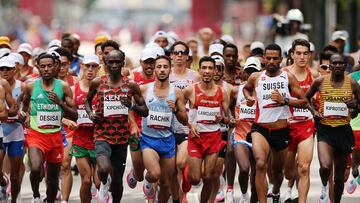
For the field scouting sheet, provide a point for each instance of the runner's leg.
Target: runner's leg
(84, 166)
(305, 154)
(207, 176)
(36, 160)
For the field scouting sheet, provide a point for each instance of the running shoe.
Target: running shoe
(184, 199)
(324, 195)
(276, 198)
(229, 198)
(351, 185)
(36, 200)
(148, 189)
(186, 185)
(244, 198)
(130, 179)
(3, 195)
(18, 199)
(109, 198)
(288, 195)
(94, 191)
(270, 193)
(220, 196)
(103, 191)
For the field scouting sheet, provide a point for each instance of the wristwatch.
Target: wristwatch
(286, 101)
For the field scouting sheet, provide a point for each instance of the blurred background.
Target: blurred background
(133, 22)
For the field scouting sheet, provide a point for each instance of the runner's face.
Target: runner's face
(162, 69)
(148, 66)
(114, 63)
(219, 71)
(193, 46)
(161, 41)
(90, 70)
(106, 51)
(47, 68)
(64, 66)
(301, 56)
(67, 44)
(230, 57)
(337, 65)
(7, 72)
(179, 55)
(272, 60)
(99, 53)
(206, 71)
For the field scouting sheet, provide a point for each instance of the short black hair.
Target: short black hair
(206, 58)
(300, 42)
(187, 50)
(231, 46)
(273, 47)
(324, 56)
(64, 52)
(120, 53)
(68, 39)
(257, 52)
(163, 57)
(330, 48)
(110, 43)
(43, 56)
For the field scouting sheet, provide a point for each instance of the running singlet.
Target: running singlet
(45, 115)
(244, 115)
(269, 111)
(182, 83)
(83, 134)
(332, 104)
(301, 114)
(70, 80)
(206, 108)
(30, 74)
(355, 122)
(140, 81)
(114, 125)
(12, 128)
(160, 118)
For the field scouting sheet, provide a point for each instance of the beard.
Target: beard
(272, 69)
(162, 79)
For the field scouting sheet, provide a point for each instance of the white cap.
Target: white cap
(340, 34)
(252, 62)
(159, 34)
(17, 58)
(37, 51)
(4, 51)
(172, 35)
(54, 53)
(257, 45)
(228, 39)
(54, 43)
(91, 58)
(295, 15)
(312, 47)
(159, 51)
(218, 58)
(7, 62)
(216, 48)
(148, 53)
(25, 47)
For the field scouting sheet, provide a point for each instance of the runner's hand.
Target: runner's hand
(71, 124)
(317, 115)
(54, 98)
(277, 97)
(194, 131)
(22, 116)
(351, 104)
(250, 101)
(218, 118)
(171, 104)
(126, 101)
(94, 117)
(135, 132)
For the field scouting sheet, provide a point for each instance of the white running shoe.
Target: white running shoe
(288, 195)
(36, 200)
(324, 195)
(244, 198)
(229, 197)
(220, 196)
(351, 184)
(104, 189)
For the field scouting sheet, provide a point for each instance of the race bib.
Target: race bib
(159, 120)
(114, 108)
(48, 119)
(335, 110)
(247, 113)
(83, 118)
(301, 114)
(207, 114)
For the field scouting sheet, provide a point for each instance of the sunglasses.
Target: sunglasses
(6, 68)
(324, 66)
(180, 52)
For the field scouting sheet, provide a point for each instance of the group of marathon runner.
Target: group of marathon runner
(189, 115)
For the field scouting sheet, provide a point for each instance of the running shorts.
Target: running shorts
(165, 147)
(14, 148)
(117, 153)
(80, 152)
(180, 138)
(278, 139)
(224, 137)
(208, 143)
(299, 132)
(357, 139)
(341, 138)
(50, 144)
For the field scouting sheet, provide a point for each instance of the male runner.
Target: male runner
(145, 76)
(111, 127)
(157, 142)
(271, 90)
(335, 136)
(83, 148)
(181, 77)
(301, 123)
(209, 107)
(50, 99)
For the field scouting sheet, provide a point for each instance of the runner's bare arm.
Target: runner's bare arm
(249, 88)
(180, 112)
(68, 106)
(140, 107)
(10, 101)
(233, 98)
(3, 111)
(225, 108)
(356, 91)
(69, 123)
(297, 92)
(314, 88)
(94, 84)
